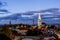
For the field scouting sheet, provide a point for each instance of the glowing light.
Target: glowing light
(58, 35)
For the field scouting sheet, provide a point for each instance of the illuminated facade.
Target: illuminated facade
(39, 21)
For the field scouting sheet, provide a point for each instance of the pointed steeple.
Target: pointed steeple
(39, 21)
(10, 23)
(39, 17)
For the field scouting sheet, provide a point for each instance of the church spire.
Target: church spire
(39, 17)
(39, 21)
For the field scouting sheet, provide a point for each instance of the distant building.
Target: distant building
(57, 27)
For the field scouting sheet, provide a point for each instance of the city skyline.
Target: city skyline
(24, 11)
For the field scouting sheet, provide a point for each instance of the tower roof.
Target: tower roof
(39, 16)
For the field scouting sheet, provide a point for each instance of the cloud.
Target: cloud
(42, 12)
(48, 15)
(4, 21)
(51, 10)
(56, 18)
(3, 11)
(2, 4)
(5, 15)
(25, 16)
(33, 13)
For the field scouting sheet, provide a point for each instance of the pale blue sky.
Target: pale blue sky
(22, 6)
(30, 5)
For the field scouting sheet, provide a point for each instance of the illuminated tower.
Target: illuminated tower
(39, 21)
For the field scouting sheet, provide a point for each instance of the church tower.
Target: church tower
(39, 21)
